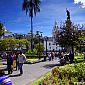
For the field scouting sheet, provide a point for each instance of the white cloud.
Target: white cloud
(82, 2)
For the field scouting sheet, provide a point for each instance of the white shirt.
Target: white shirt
(21, 58)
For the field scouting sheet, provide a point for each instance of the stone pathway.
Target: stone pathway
(32, 72)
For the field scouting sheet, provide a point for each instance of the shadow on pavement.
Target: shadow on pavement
(14, 75)
(51, 65)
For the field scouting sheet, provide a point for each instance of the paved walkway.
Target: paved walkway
(32, 72)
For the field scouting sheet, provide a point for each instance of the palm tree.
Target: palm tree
(31, 6)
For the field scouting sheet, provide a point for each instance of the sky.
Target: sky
(16, 20)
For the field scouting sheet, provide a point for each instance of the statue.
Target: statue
(68, 14)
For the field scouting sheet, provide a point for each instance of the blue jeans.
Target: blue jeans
(20, 67)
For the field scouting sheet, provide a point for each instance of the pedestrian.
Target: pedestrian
(21, 60)
(49, 56)
(14, 60)
(4, 79)
(52, 56)
(17, 62)
(62, 60)
(9, 63)
(71, 57)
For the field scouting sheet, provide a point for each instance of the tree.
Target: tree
(11, 43)
(1, 30)
(81, 44)
(68, 36)
(3, 45)
(39, 48)
(22, 43)
(33, 7)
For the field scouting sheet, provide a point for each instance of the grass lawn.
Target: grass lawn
(2, 66)
(32, 59)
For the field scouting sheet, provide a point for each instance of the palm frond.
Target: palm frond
(32, 6)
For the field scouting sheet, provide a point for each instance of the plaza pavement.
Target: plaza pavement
(32, 72)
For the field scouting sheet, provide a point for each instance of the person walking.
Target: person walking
(71, 57)
(17, 62)
(14, 60)
(4, 79)
(49, 56)
(9, 63)
(21, 60)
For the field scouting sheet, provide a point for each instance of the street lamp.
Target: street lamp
(40, 35)
(46, 38)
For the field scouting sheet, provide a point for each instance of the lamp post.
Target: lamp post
(46, 47)
(40, 35)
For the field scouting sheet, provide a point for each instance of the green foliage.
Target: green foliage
(31, 52)
(68, 36)
(64, 75)
(81, 44)
(3, 45)
(31, 6)
(39, 48)
(11, 44)
(1, 30)
(78, 58)
(23, 42)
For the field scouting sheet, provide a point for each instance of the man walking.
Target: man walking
(21, 60)
(9, 63)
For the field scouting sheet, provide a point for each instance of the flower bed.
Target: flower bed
(65, 75)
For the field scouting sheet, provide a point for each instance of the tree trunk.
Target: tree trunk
(72, 49)
(31, 34)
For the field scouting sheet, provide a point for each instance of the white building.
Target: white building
(51, 45)
(7, 34)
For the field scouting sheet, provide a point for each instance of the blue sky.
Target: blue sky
(16, 21)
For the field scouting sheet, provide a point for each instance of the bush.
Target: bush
(31, 52)
(78, 58)
(65, 75)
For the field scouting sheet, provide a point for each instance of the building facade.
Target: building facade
(51, 46)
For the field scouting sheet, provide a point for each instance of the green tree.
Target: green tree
(3, 45)
(11, 43)
(1, 30)
(33, 7)
(21, 43)
(68, 37)
(25, 43)
(81, 44)
(39, 48)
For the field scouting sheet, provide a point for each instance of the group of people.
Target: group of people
(15, 61)
(62, 56)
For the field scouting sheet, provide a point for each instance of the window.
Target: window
(49, 47)
(49, 43)
(56, 48)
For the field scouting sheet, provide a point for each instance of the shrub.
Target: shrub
(66, 75)
(31, 52)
